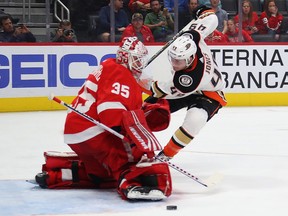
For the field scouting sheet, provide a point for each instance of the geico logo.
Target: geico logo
(45, 70)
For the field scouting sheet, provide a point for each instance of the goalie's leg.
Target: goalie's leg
(66, 170)
(146, 181)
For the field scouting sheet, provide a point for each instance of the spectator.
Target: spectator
(221, 14)
(270, 19)
(14, 34)
(208, 3)
(138, 29)
(186, 15)
(2, 14)
(64, 33)
(249, 18)
(140, 6)
(216, 37)
(160, 22)
(233, 33)
(121, 21)
(169, 4)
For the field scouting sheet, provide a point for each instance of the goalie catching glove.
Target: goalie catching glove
(157, 114)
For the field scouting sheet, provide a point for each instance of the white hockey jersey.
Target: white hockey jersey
(203, 76)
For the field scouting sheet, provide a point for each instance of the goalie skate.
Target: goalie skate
(40, 178)
(145, 193)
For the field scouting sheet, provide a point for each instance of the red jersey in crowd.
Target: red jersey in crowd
(145, 35)
(233, 36)
(216, 37)
(248, 24)
(267, 23)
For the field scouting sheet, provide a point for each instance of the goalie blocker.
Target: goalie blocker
(147, 179)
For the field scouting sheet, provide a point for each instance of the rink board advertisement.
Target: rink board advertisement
(255, 75)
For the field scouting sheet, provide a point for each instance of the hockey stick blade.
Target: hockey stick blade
(51, 96)
(213, 180)
(210, 182)
(32, 181)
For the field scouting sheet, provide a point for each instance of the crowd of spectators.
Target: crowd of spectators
(154, 21)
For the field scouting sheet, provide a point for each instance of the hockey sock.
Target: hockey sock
(178, 141)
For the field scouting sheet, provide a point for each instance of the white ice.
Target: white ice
(248, 145)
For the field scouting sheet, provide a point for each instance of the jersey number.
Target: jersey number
(198, 27)
(119, 89)
(215, 79)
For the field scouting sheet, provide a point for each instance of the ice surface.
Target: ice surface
(247, 145)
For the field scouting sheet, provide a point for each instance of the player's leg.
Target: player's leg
(200, 110)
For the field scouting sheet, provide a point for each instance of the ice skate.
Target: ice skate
(144, 193)
(40, 178)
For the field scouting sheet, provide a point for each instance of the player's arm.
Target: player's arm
(162, 89)
(206, 21)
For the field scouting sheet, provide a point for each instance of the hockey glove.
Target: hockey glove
(157, 114)
(201, 11)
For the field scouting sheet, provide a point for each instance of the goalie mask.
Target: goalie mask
(133, 54)
(182, 52)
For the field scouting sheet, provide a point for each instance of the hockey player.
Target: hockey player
(197, 83)
(112, 96)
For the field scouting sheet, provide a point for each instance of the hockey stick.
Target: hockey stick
(187, 27)
(103, 126)
(211, 181)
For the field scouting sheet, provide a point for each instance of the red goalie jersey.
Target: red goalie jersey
(104, 96)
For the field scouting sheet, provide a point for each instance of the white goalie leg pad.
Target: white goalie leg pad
(195, 120)
(143, 193)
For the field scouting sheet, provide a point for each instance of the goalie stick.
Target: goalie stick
(209, 182)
